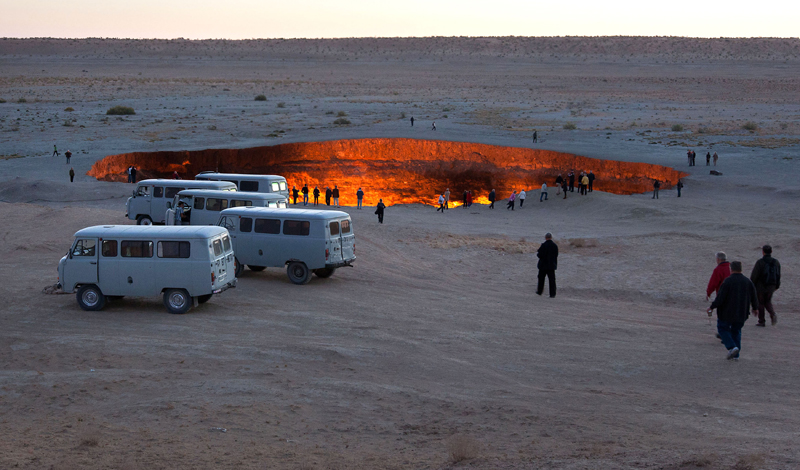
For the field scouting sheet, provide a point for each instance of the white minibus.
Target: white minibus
(202, 207)
(250, 183)
(183, 264)
(304, 241)
(148, 205)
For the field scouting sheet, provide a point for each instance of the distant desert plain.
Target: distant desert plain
(433, 351)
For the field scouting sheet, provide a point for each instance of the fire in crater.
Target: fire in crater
(401, 171)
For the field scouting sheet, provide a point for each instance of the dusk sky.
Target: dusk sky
(242, 19)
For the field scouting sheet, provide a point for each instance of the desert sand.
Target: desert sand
(433, 351)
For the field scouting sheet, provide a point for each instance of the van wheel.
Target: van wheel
(201, 299)
(237, 267)
(177, 300)
(256, 268)
(298, 272)
(144, 220)
(324, 272)
(90, 298)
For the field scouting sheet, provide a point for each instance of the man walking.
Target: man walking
(55, 151)
(379, 210)
(68, 154)
(591, 181)
(360, 197)
(721, 272)
(522, 197)
(543, 193)
(548, 263)
(305, 194)
(492, 196)
(708, 158)
(766, 276)
(656, 185)
(433, 126)
(535, 137)
(71, 175)
(736, 294)
(335, 194)
(441, 203)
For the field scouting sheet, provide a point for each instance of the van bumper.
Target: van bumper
(348, 263)
(227, 286)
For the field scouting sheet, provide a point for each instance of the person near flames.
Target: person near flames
(543, 193)
(360, 197)
(591, 180)
(522, 197)
(133, 174)
(492, 197)
(295, 194)
(305, 194)
(175, 175)
(71, 174)
(564, 187)
(379, 210)
(559, 180)
(464, 205)
(585, 183)
(447, 199)
(316, 196)
(571, 177)
(335, 194)
(328, 195)
(511, 200)
(441, 203)
(656, 185)
(535, 137)
(469, 198)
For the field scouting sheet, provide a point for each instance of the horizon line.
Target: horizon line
(181, 38)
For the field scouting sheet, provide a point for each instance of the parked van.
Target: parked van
(202, 207)
(304, 241)
(148, 205)
(183, 264)
(251, 183)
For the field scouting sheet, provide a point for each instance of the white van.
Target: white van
(250, 183)
(148, 204)
(304, 241)
(202, 207)
(184, 264)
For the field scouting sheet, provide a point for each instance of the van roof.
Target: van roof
(195, 183)
(238, 175)
(152, 231)
(284, 213)
(232, 194)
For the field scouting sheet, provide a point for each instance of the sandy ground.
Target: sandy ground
(435, 341)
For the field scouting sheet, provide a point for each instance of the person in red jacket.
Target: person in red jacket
(721, 272)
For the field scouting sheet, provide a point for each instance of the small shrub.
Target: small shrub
(67, 123)
(461, 448)
(329, 112)
(341, 113)
(702, 130)
(341, 122)
(89, 439)
(570, 126)
(261, 98)
(402, 115)
(677, 128)
(2, 100)
(281, 104)
(120, 111)
(784, 126)
(69, 109)
(750, 126)
(22, 100)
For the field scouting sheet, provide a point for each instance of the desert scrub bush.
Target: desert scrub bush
(120, 111)
(281, 104)
(341, 122)
(341, 114)
(69, 109)
(402, 115)
(261, 98)
(702, 130)
(67, 123)
(750, 126)
(570, 126)
(677, 127)
(461, 448)
(329, 112)
(2, 100)
(22, 100)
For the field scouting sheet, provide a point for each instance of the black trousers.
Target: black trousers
(491, 205)
(380, 217)
(550, 274)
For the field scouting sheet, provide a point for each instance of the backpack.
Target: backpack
(771, 273)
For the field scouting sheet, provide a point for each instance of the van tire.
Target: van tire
(144, 220)
(201, 299)
(237, 267)
(256, 268)
(298, 272)
(324, 272)
(177, 301)
(90, 298)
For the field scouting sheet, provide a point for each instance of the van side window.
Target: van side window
(174, 249)
(296, 227)
(226, 243)
(136, 249)
(199, 202)
(334, 228)
(239, 203)
(158, 191)
(245, 224)
(142, 191)
(345, 226)
(251, 186)
(268, 226)
(276, 187)
(109, 248)
(216, 204)
(84, 248)
(217, 247)
(171, 192)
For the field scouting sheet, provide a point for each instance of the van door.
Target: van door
(348, 240)
(140, 204)
(334, 243)
(136, 277)
(81, 267)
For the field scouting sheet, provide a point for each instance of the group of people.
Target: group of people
(330, 195)
(131, 174)
(691, 156)
(736, 295)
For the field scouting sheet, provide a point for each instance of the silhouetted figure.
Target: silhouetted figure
(328, 194)
(656, 185)
(335, 194)
(492, 196)
(433, 126)
(316, 195)
(133, 174)
(535, 137)
(447, 199)
(766, 276)
(379, 210)
(71, 175)
(548, 263)
(295, 194)
(571, 181)
(591, 181)
(305, 194)
(360, 196)
(679, 186)
(559, 180)
(716, 157)
(564, 188)
(412, 121)
(68, 154)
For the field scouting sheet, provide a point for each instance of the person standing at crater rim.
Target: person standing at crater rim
(335, 194)
(133, 174)
(543, 193)
(295, 194)
(360, 197)
(441, 203)
(316, 195)
(591, 181)
(547, 265)
(656, 185)
(679, 186)
(379, 210)
(559, 180)
(492, 197)
(328, 195)
(305, 194)
(522, 197)
(736, 294)
(766, 276)
(447, 199)
(571, 181)
(71, 175)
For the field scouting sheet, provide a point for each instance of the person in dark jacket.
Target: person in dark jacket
(766, 276)
(360, 197)
(708, 158)
(295, 194)
(571, 181)
(564, 188)
(379, 211)
(335, 194)
(68, 154)
(316, 196)
(305, 194)
(679, 186)
(548, 263)
(656, 185)
(133, 174)
(71, 175)
(736, 295)
(591, 181)
(328, 194)
(492, 197)
(465, 199)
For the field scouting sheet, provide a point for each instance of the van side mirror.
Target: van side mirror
(133, 193)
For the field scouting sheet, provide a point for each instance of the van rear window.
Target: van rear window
(109, 248)
(216, 204)
(245, 224)
(199, 202)
(158, 191)
(345, 226)
(217, 247)
(174, 249)
(136, 249)
(268, 226)
(334, 228)
(296, 227)
(171, 192)
(239, 203)
(226, 243)
(251, 186)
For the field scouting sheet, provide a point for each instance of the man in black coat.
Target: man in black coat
(766, 276)
(492, 197)
(548, 263)
(591, 181)
(328, 194)
(735, 295)
(571, 181)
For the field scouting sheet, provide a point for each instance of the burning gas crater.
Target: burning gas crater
(401, 171)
